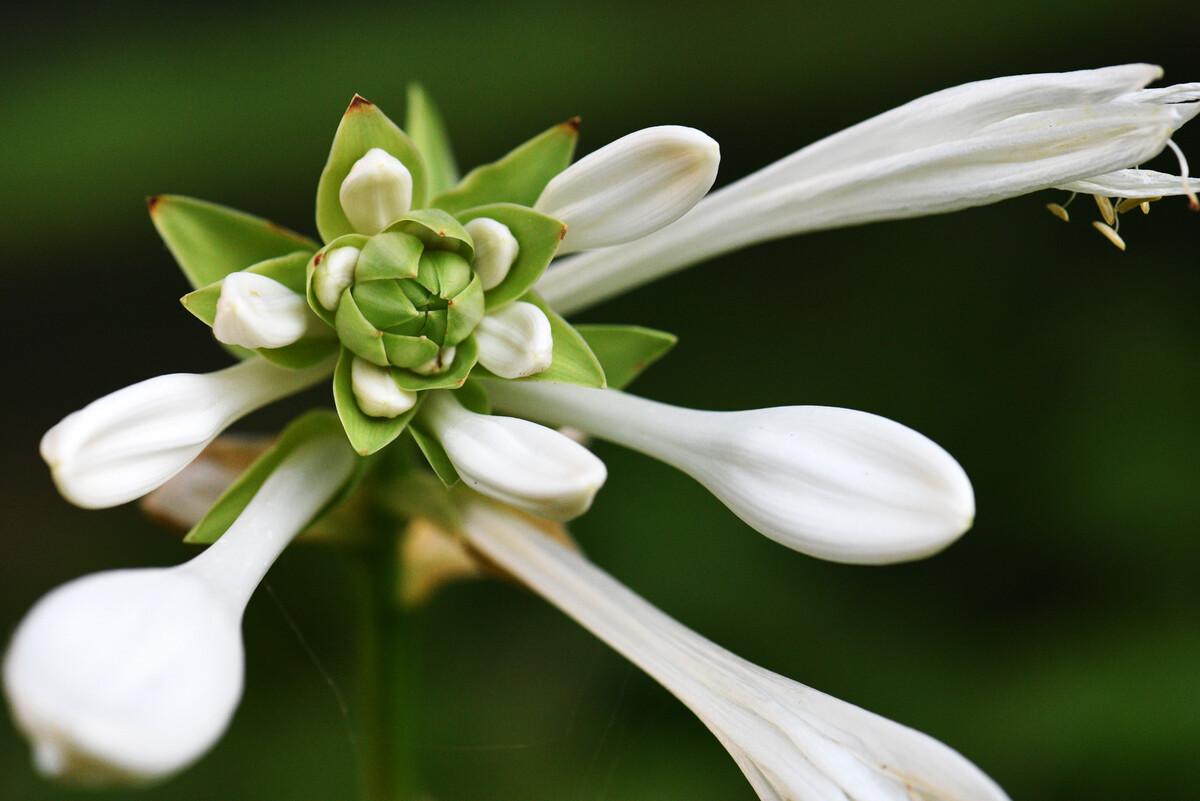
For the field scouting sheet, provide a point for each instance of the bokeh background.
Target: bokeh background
(1057, 644)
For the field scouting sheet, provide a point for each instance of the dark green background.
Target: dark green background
(1057, 645)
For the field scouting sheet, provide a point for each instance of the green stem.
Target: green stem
(388, 681)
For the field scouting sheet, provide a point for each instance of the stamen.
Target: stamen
(1058, 211)
(1131, 203)
(1106, 209)
(1145, 204)
(1109, 234)
(1193, 201)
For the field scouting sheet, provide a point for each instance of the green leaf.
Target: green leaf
(466, 353)
(362, 128)
(436, 456)
(428, 132)
(520, 176)
(574, 362)
(211, 241)
(366, 434)
(626, 350)
(234, 500)
(538, 237)
(289, 270)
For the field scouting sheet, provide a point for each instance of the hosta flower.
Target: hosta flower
(792, 742)
(131, 675)
(973, 144)
(420, 302)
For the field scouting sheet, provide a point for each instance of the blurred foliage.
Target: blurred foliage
(1056, 645)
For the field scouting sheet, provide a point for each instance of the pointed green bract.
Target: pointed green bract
(466, 353)
(210, 241)
(234, 500)
(626, 350)
(428, 132)
(289, 270)
(538, 237)
(362, 128)
(520, 176)
(573, 361)
(437, 230)
(366, 434)
(389, 255)
(435, 455)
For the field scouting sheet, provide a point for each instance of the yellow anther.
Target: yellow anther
(1131, 203)
(1106, 209)
(1109, 234)
(1059, 211)
(1145, 206)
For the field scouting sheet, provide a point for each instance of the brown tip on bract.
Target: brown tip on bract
(573, 124)
(358, 103)
(152, 203)
(562, 233)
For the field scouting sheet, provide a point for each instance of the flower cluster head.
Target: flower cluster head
(432, 305)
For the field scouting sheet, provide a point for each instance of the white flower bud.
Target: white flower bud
(259, 312)
(792, 742)
(631, 187)
(834, 483)
(515, 341)
(376, 191)
(495, 250)
(334, 275)
(377, 394)
(129, 676)
(438, 364)
(521, 463)
(125, 444)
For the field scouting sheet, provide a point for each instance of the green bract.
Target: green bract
(402, 297)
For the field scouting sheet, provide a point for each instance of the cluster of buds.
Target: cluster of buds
(431, 302)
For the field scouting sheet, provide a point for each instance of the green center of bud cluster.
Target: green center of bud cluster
(409, 299)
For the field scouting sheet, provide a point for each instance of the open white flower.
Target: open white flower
(521, 463)
(834, 483)
(967, 146)
(792, 742)
(129, 676)
(125, 444)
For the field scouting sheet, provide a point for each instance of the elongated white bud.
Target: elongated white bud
(495, 250)
(521, 463)
(377, 394)
(129, 676)
(259, 312)
(125, 444)
(632, 186)
(966, 146)
(515, 341)
(376, 191)
(792, 742)
(334, 275)
(834, 483)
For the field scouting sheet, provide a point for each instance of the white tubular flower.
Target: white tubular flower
(515, 341)
(125, 444)
(334, 275)
(967, 146)
(377, 394)
(632, 186)
(834, 483)
(259, 312)
(521, 463)
(792, 742)
(376, 191)
(496, 250)
(129, 676)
